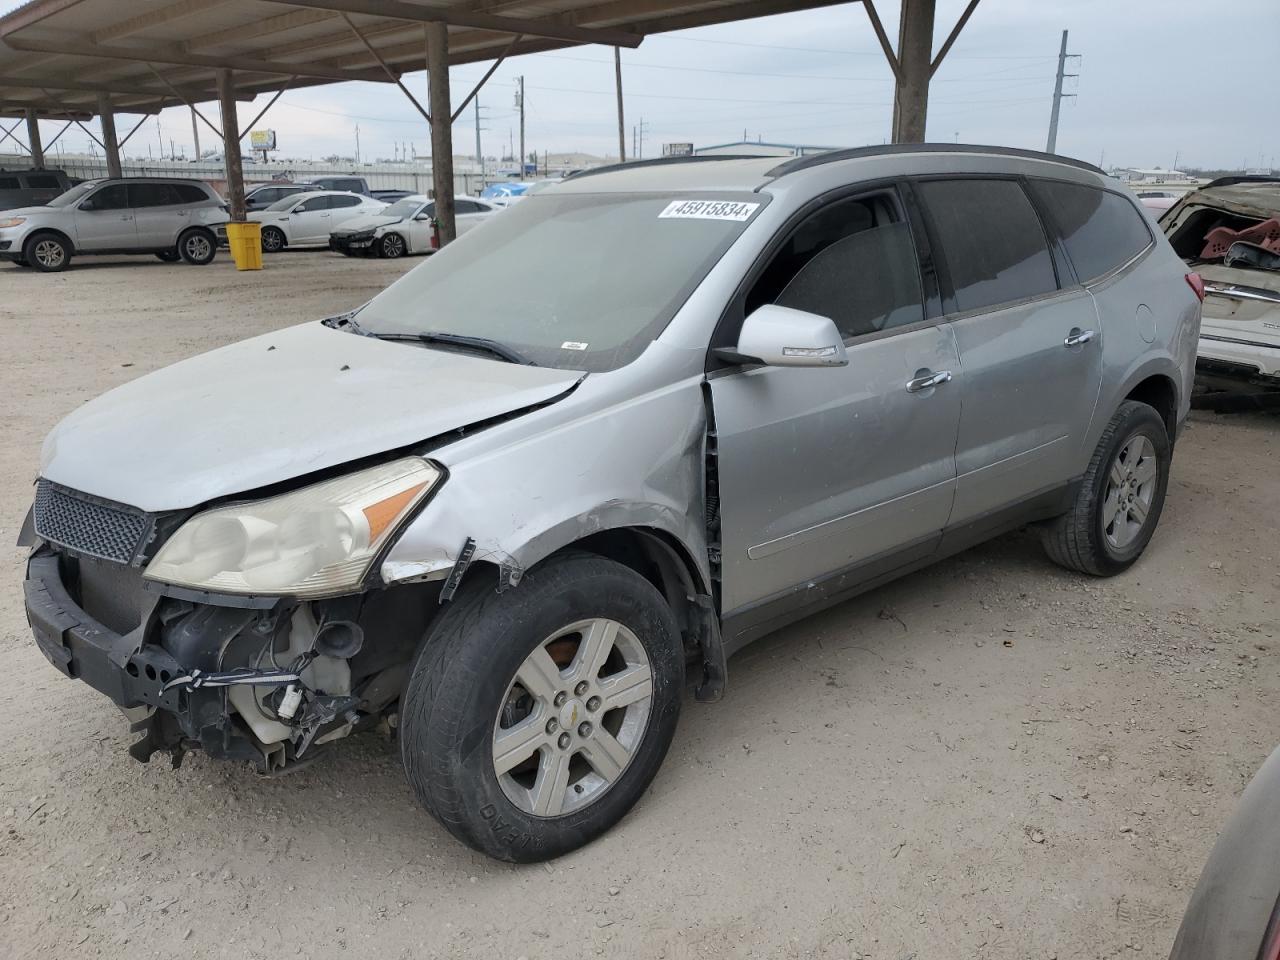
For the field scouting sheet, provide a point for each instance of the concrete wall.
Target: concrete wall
(385, 176)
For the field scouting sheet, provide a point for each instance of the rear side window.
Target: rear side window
(190, 193)
(151, 195)
(336, 203)
(852, 261)
(8, 183)
(992, 240)
(42, 181)
(1100, 230)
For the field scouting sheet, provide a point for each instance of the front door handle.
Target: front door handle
(1077, 337)
(927, 379)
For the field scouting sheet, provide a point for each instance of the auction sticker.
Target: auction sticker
(708, 210)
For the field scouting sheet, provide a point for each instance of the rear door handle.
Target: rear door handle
(928, 379)
(1077, 337)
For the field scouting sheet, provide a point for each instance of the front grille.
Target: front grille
(89, 525)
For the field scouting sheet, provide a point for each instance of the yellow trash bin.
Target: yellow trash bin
(245, 241)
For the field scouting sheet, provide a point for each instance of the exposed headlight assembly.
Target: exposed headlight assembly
(12, 222)
(313, 542)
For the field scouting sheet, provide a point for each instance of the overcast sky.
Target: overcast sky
(1159, 80)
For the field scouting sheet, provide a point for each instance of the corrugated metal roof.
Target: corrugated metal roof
(59, 55)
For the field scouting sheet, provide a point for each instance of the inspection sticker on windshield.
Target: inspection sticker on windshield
(708, 210)
(573, 345)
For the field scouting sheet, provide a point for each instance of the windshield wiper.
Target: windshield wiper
(483, 344)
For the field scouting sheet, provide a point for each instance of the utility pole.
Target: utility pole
(520, 104)
(195, 132)
(1051, 145)
(640, 144)
(622, 135)
(357, 143)
(479, 155)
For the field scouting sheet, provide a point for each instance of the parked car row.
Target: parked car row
(261, 197)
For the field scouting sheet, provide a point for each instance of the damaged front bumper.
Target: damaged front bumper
(191, 675)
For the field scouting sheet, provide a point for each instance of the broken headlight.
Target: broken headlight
(313, 542)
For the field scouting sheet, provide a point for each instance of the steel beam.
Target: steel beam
(485, 79)
(915, 53)
(441, 128)
(399, 10)
(110, 146)
(231, 145)
(33, 139)
(159, 55)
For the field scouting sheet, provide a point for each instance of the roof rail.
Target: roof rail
(660, 162)
(889, 149)
(1246, 178)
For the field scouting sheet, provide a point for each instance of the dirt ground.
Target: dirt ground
(992, 758)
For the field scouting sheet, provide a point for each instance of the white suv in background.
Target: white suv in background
(173, 219)
(307, 219)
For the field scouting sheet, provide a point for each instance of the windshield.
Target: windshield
(405, 207)
(284, 203)
(74, 194)
(579, 282)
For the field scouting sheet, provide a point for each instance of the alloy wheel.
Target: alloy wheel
(198, 247)
(272, 240)
(392, 245)
(49, 253)
(1131, 486)
(572, 718)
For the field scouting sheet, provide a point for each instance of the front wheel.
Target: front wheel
(534, 719)
(391, 246)
(47, 253)
(197, 247)
(273, 239)
(1120, 499)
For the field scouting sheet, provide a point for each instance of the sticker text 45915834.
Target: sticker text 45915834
(708, 210)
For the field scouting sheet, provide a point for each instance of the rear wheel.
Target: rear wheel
(1120, 499)
(273, 239)
(391, 246)
(197, 247)
(47, 253)
(535, 718)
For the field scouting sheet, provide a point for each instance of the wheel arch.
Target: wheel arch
(1159, 391)
(50, 232)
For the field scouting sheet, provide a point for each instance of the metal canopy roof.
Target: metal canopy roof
(58, 56)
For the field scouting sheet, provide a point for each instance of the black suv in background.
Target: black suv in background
(28, 188)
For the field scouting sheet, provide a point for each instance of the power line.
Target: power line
(846, 53)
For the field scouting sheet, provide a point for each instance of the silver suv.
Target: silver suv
(706, 398)
(173, 219)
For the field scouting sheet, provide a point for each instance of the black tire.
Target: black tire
(197, 246)
(168, 256)
(1080, 539)
(463, 676)
(22, 263)
(392, 246)
(273, 240)
(47, 252)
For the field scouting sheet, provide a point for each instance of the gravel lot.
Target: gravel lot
(991, 758)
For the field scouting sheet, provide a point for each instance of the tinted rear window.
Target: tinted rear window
(1100, 230)
(190, 193)
(992, 240)
(43, 181)
(8, 183)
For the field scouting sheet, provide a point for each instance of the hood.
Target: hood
(277, 407)
(368, 221)
(24, 212)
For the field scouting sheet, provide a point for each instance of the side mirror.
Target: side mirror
(783, 337)
(423, 216)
